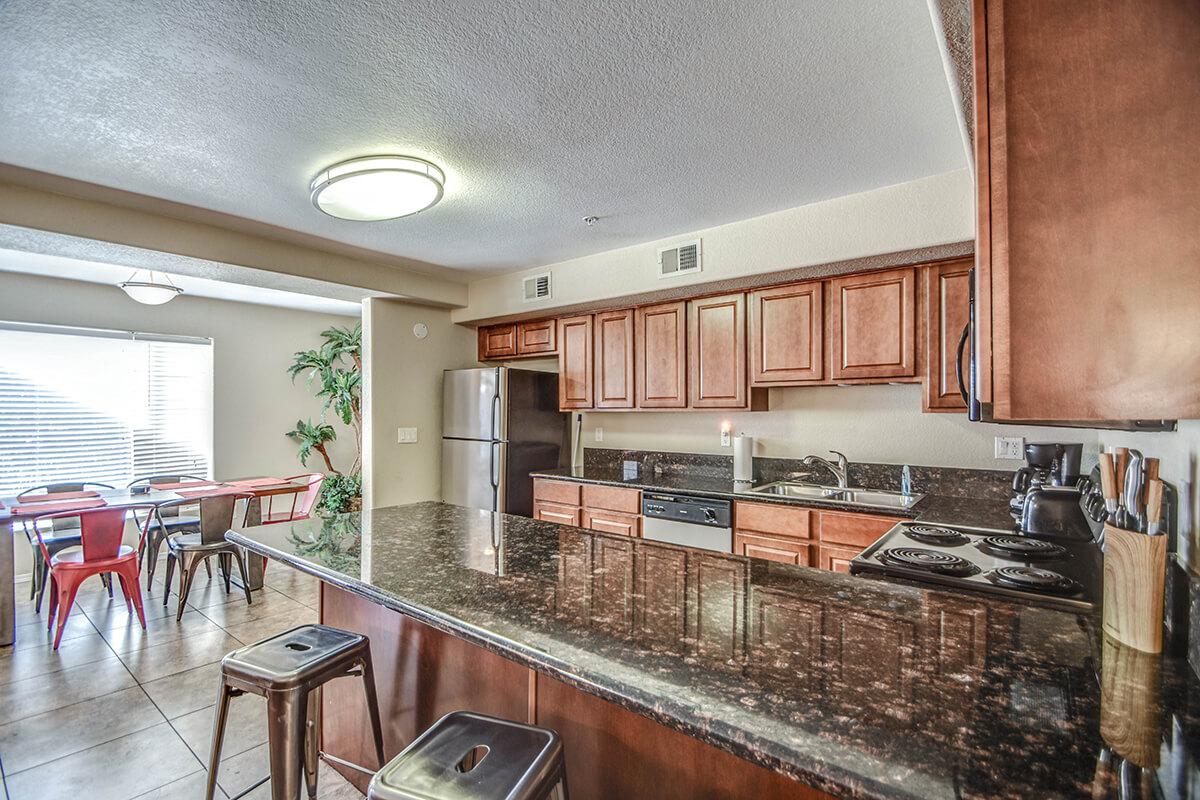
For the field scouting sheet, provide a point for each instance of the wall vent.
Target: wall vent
(679, 260)
(537, 287)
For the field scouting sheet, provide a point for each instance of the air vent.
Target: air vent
(537, 287)
(679, 260)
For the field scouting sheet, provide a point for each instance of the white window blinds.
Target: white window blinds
(103, 406)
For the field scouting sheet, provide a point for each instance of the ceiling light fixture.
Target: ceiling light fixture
(377, 187)
(150, 287)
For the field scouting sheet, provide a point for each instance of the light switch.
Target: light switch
(406, 435)
(599, 434)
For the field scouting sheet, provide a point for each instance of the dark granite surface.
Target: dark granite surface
(861, 688)
(975, 512)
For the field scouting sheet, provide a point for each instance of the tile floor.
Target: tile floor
(119, 713)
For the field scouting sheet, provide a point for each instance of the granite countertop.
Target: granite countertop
(858, 687)
(968, 511)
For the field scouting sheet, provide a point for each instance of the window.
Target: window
(104, 406)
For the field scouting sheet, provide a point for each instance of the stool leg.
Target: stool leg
(170, 572)
(368, 676)
(237, 554)
(286, 715)
(218, 738)
(312, 741)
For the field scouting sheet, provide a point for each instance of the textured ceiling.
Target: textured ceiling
(661, 116)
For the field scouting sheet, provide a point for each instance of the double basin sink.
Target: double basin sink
(877, 498)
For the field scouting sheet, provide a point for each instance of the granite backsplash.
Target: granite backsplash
(995, 484)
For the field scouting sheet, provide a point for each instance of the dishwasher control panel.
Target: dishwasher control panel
(681, 508)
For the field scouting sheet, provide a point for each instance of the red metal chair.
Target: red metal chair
(101, 531)
(302, 502)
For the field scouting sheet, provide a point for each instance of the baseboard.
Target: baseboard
(24, 577)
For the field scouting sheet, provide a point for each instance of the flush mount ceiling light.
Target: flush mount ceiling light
(150, 287)
(377, 187)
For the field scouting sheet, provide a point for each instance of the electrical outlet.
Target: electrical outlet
(725, 439)
(406, 435)
(599, 434)
(1010, 447)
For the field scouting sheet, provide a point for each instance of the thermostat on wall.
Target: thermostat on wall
(420, 330)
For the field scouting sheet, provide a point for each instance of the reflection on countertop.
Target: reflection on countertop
(860, 688)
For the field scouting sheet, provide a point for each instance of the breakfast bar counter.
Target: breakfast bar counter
(674, 672)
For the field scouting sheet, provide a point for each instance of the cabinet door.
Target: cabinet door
(660, 347)
(612, 522)
(947, 309)
(554, 512)
(773, 548)
(563, 493)
(614, 359)
(836, 559)
(497, 341)
(873, 325)
(575, 362)
(536, 338)
(717, 352)
(851, 530)
(787, 335)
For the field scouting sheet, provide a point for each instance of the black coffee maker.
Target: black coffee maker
(1046, 464)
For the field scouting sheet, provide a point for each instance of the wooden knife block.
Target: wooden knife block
(1135, 571)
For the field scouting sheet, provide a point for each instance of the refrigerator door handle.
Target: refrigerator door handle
(496, 416)
(495, 466)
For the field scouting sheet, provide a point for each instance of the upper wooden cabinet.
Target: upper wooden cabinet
(497, 341)
(660, 348)
(787, 335)
(575, 362)
(613, 356)
(717, 352)
(536, 338)
(1086, 133)
(948, 297)
(873, 325)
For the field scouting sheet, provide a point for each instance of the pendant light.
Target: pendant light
(376, 188)
(150, 287)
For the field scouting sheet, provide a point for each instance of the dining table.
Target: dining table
(14, 511)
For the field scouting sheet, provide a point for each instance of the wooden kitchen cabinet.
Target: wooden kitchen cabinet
(716, 352)
(947, 308)
(1088, 230)
(873, 325)
(537, 338)
(565, 493)
(660, 350)
(773, 532)
(614, 360)
(556, 512)
(787, 335)
(612, 522)
(851, 529)
(575, 362)
(782, 549)
(497, 341)
(836, 559)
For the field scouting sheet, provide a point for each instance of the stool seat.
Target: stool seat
(469, 756)
(293, 658)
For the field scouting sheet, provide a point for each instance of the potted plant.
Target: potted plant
(335, 370)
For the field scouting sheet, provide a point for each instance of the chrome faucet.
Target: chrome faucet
(841, 470)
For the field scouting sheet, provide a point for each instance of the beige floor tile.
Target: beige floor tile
(267, 603)
(43, 738)
(130, 636)
(161, 660)
(255, 630)
(184, 692)
(244, 769)
(117, 770)
(34, 634)
(37, 695)
(245, 728)
(20, 664)
(190, 788)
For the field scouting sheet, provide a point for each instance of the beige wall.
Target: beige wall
(932, 211)
(254, 400)
(403, 388)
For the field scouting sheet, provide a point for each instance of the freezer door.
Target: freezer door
(473, 473)
(473, 403)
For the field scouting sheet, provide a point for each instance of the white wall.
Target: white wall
(403, 388)
(254, 400)
(923, 213)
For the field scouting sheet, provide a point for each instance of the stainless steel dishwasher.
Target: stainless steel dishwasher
(689, 521)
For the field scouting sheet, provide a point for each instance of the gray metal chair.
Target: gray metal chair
(167, 522)
(289, 669)
(64, 533)
(189, 550)
(469, 756)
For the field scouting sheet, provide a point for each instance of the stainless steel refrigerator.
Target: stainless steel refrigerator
(498, 425)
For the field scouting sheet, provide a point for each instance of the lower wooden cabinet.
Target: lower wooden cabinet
(835, 559)
(612, 522)
(805, 537)
(773, 548)
(555, 512)
(607, 509)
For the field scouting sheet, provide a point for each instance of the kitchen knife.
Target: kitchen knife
(1120, 462)
(1133, 491)
(1151, 472)
(1154, 497)
(1108, 484)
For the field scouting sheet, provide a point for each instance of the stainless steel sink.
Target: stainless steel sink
(877, 498)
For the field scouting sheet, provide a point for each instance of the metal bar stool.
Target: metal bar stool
(288, 669)
(468, 756)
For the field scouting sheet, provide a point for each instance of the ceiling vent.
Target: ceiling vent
(679, 260)
(537, 287)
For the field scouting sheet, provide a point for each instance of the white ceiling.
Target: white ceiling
(111, 274)
(660, 116)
